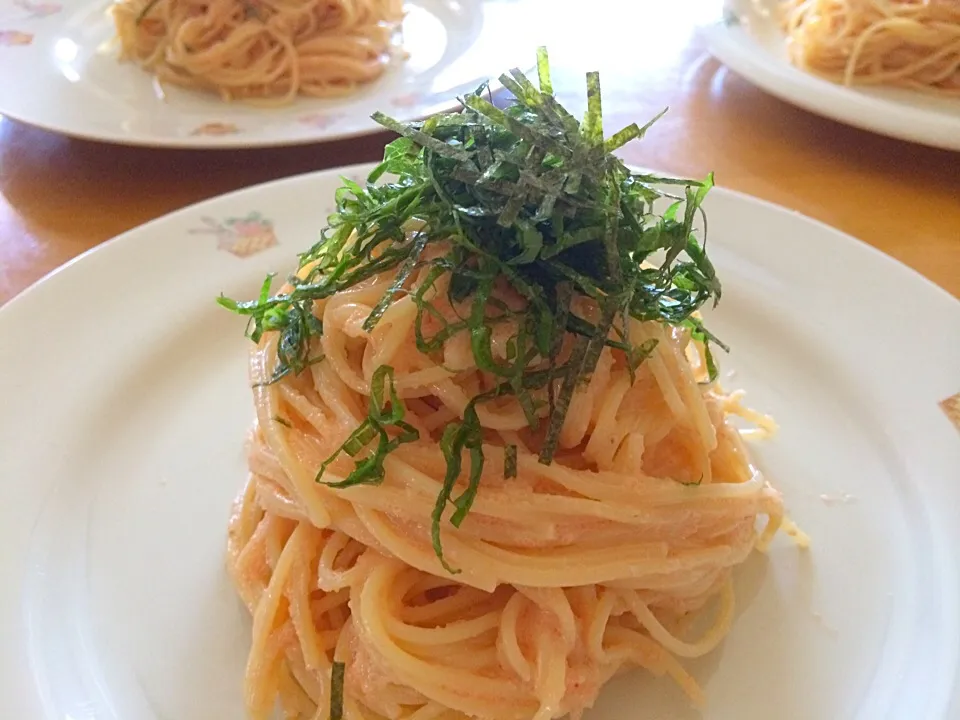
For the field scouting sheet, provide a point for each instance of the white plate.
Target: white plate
(59, 71)
(125, 405)
(750, 42)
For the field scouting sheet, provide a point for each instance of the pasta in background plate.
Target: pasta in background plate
(908, 43)
(262, 51)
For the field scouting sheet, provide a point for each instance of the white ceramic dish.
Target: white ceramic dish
(59, 71)
(125, 405)
(750, 42)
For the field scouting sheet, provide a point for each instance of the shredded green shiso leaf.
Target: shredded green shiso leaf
(527, 195)
(337, 672)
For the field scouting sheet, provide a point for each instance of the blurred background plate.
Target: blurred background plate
(59, 70)
(750, 41)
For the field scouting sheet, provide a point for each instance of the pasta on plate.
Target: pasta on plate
(491, 465)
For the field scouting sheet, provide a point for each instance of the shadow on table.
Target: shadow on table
(59, 183)
(740, 107)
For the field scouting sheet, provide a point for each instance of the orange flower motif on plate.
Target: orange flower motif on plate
(240, 236)
(951, 406)
(406, 101)
(320, 120)
(15, 38)
(216, 129)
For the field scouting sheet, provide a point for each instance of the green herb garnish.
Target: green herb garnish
(526, 196)
(146, 11)
(337, 671)
(510, 461)
(382, 416)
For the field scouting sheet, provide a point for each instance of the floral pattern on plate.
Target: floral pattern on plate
(37, 9)
(240, 236)
(216, 129)
(15, 38)
(320, 120)
(407, 100)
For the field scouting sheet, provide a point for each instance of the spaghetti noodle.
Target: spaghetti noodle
(262, 51)
(605, 496)
(909, 43)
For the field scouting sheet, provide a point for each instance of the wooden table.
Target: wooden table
(62, 196)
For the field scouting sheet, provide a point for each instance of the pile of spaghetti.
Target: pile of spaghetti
(910, 43)
(491, 465)
(263, 51)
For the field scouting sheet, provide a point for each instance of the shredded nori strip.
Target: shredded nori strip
(337, 672)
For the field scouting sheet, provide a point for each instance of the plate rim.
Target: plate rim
(233, 142)
(733, 45)
(25, 301)
(364, 167)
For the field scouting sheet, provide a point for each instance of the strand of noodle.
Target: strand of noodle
(267, 401)
(598, 624)
(646, 653)
(659, 369)
(553, 604)
(264, 645)
(905, 43)
(507, 642)
(550, 680)
(330, 579)
(607, 435)
(303, 545)
(689, 389)
(453, 632)
(673, 644)
(448, 689)
(293, 698)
